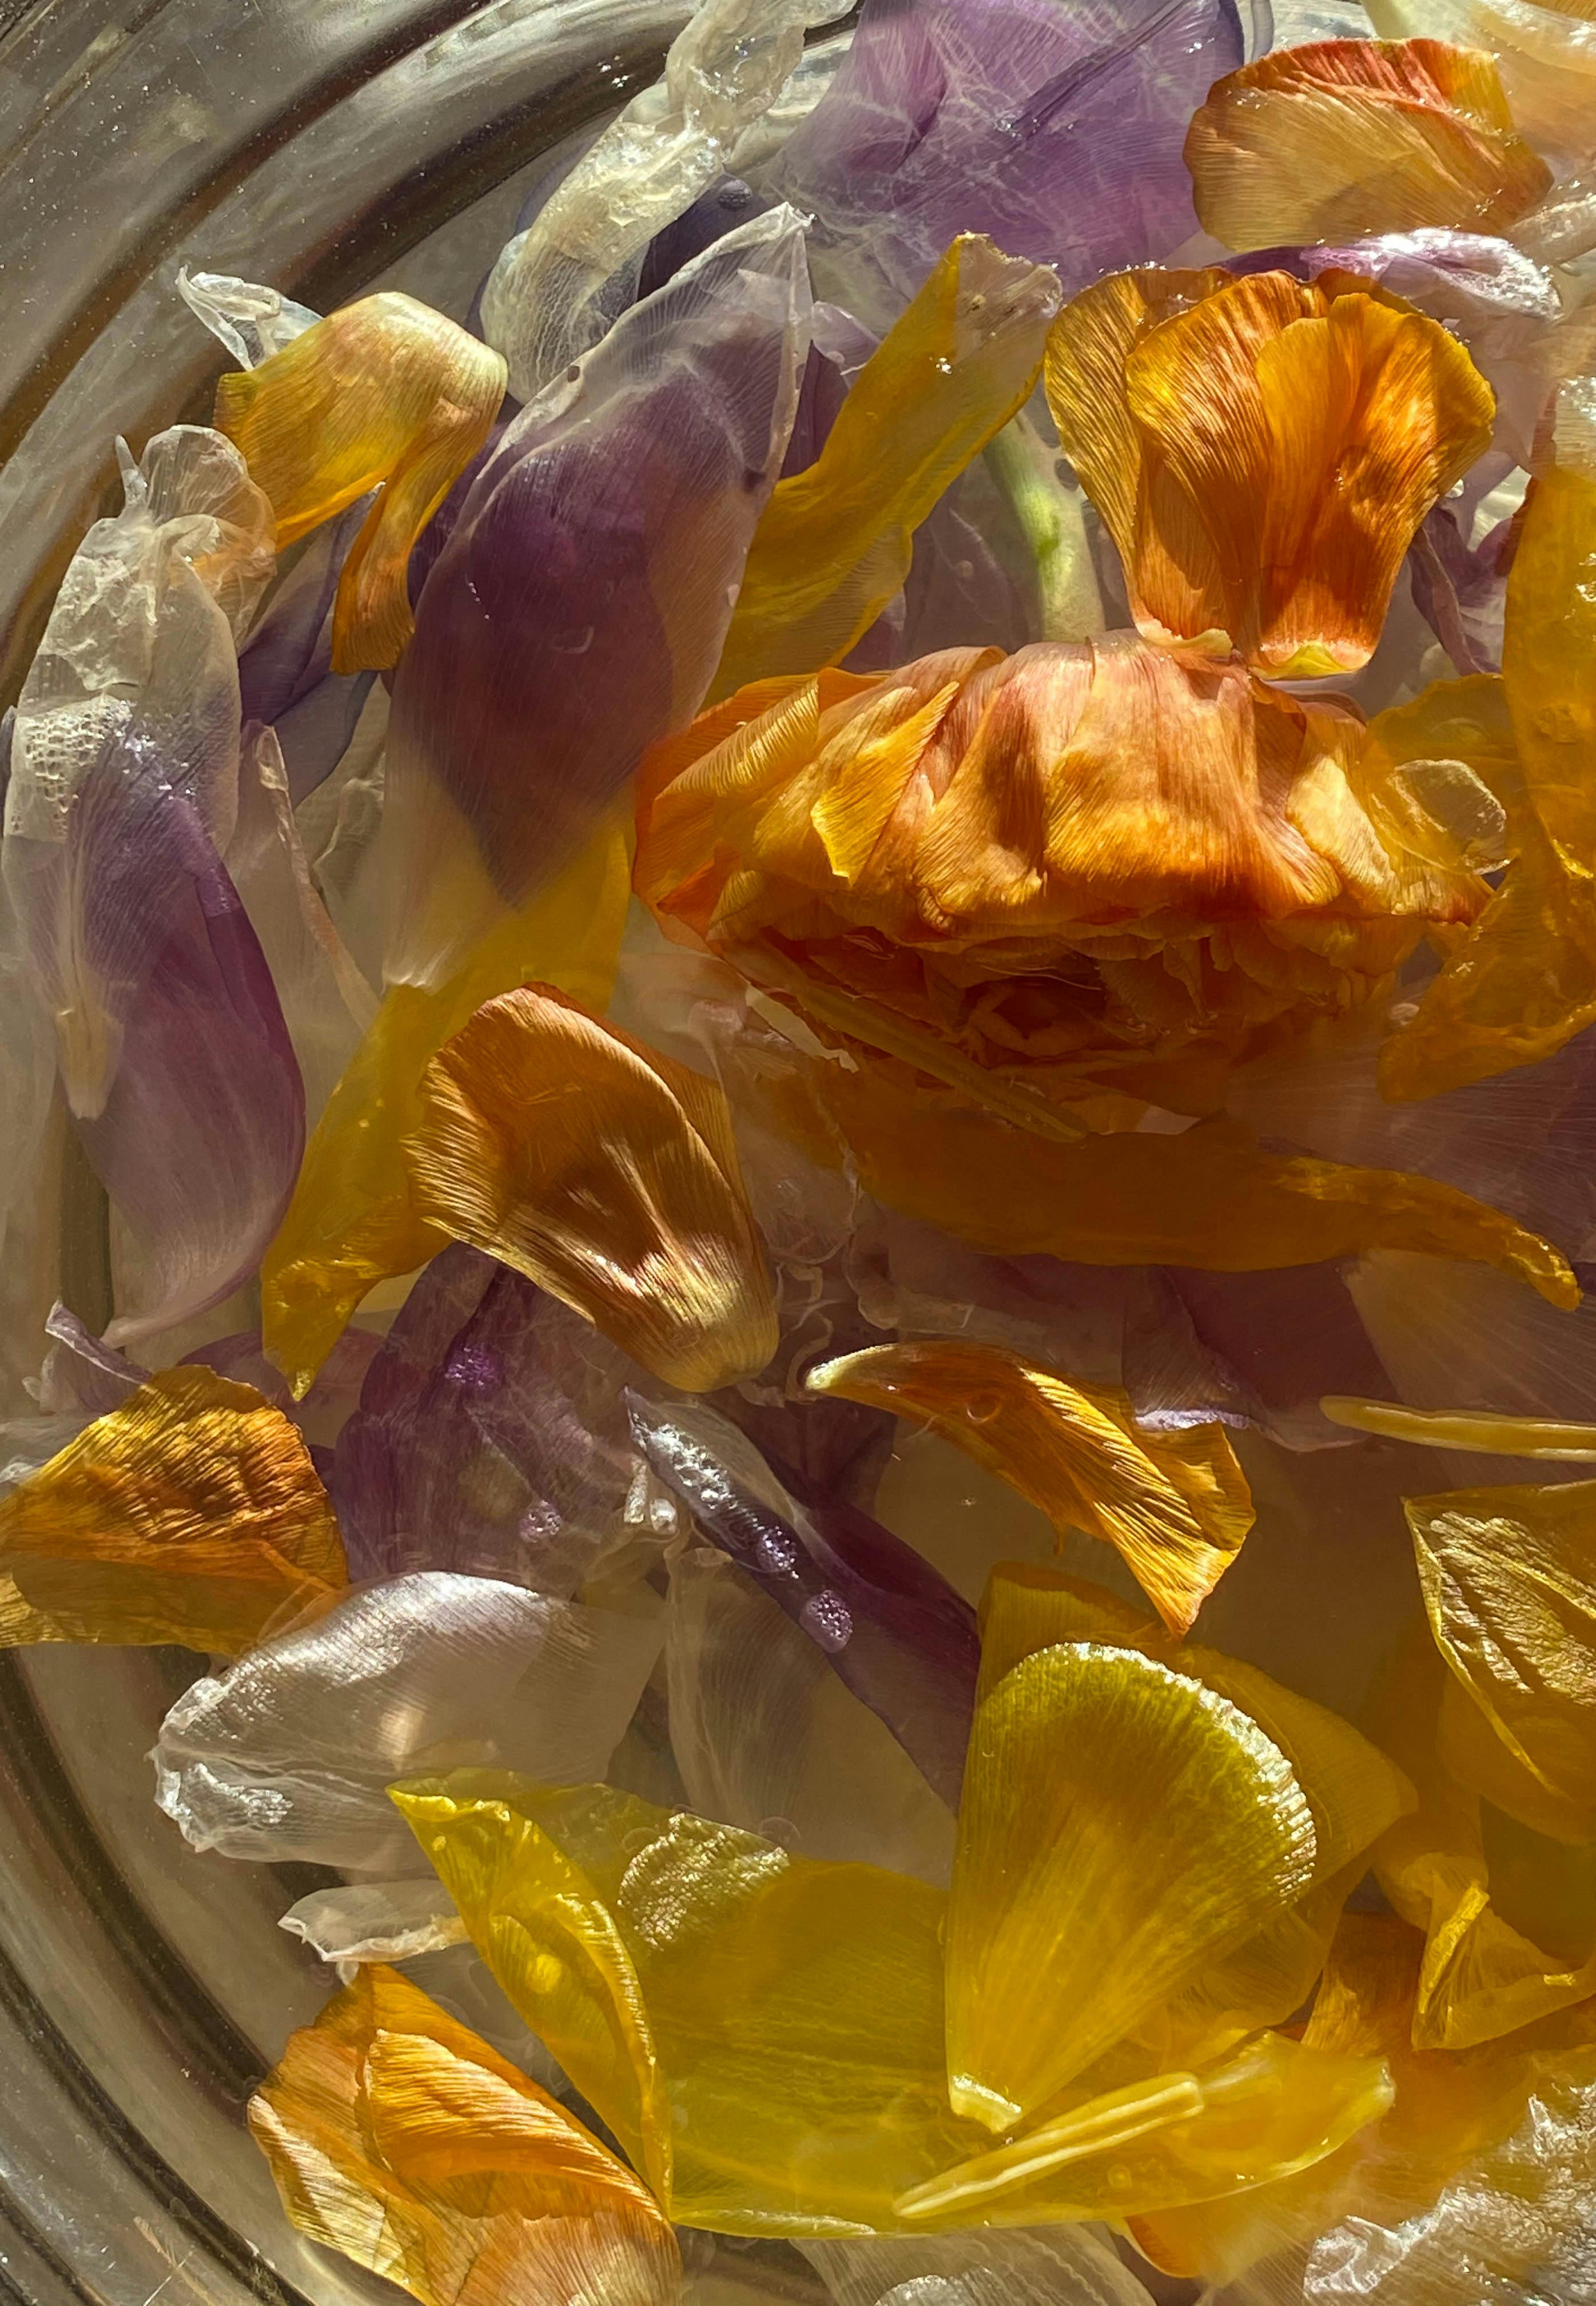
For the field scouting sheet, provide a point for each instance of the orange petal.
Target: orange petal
(1175, 1505)
(190, 1513)
(385, 394)
(1347, 137)
(607, 1173)
(1273, 447)
(401, 2139)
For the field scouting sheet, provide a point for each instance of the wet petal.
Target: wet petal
(1355, 136)
(1175, 1505)
(384, 394)
(834, 544)
(403, 2141)
(1257, 532)
(1542, 52)
(376, 1921)
(1453, 1334)
(353, 1220)
(285, 672)
(191, 1514)
(1492, 1432)
(289, 1754)
(1042, 2268)
(1122, 1827)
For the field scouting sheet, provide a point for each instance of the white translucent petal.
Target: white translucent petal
(376, 1921)
(288, 1752)
(1052, 2265)
(254, 323)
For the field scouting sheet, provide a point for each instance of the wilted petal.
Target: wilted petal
(1122, 1827)
(490, 1436)
(1175, 1505)
(1492, 1432)
(376, 1921)
(1237, 436)
(834, 544)
(290, 1751)
(1544, 53)
(81, 1374)
(606, 1173)
(285, 672)
(577, 609)
(384, 394)
(353, 1220)
(403, 2141)
(191, 1514)
(251, 321)
(1057, 131)
(1456, 1336)
(894, 1630)
(1050, 2266)
(1356, 136)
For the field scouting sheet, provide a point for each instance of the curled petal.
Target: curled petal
(606, 1175)
(1490, 1432)
(1353, 136)
(385, 394)
(834, 544)
(401, 2139)
(191, 1514)
(1262, 452)
(289, 1754)
(376, 1921)
(1175, 1505)
(1122, 1827)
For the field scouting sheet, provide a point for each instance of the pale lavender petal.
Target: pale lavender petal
(1461, 591)
(712, 215)
(83, 1376)
(1056, 130)
(490, 1437)
(896, 1633)
(285, 674)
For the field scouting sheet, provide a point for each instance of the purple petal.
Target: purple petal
(1057, 131)
(83, 1376)
(489, 1439)
(712, 215)
(896, 1633)
(577, 609)
(1462, 593)
(1285, 1338)
(285, 675)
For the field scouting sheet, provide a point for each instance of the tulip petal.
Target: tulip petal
(376, 1921)
(604, 1172)
(1343, 137)
(1044, 2268)
(1122, 1827)
(834, 544)
(1489, 1432)
(1176, 1505)
(289, 1754)
(384, 394)
(403, 2141)
(191, 1514)
(353, 1220)
(1544, 53)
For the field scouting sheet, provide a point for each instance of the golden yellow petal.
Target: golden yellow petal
(401, 2139)
(833, 545)
(1342, 138)
(1122, 1827)
(384, 394)
(1439, 776)
(1176, 1505)
(353, 1221)
(1490, 1432)
(190, 1513)
(605, 1173)
(1510, 1582)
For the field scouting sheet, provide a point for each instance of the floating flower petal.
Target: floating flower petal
(1489, 1432)
(1544, 53)
(605, 1173)
(1354, 136)
(834, 544)
(1122, 1827)
(403, 2141)
(385, 394)
(1262, 452)
(376, 1921)
(290, 1753)
(191, 1514)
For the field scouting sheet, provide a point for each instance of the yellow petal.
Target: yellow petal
(605, 1173)
(833, 545)
(1274, 2108)
(385, 394)
(1176, 1505)
(401, 2139)
(1342, 138)
(1490, 1432)
(1439, 776)
(353, 1220)
(1263, 456)
(1509, 1581)
(190, 1513)
(1122, 1827)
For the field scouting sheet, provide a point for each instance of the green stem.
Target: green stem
(1051, 519)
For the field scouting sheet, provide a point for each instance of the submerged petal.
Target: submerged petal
(1343, 137)
(606, 1173)
(403, 2141)
(1175, 1505)
(191, 1514)
(1122, 1827)
(834, 544)
(1489, 1432)
(385, 394)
